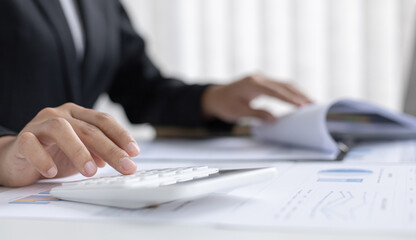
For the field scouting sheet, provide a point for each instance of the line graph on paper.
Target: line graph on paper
(341, 206)
(343, 195)
(344, 205)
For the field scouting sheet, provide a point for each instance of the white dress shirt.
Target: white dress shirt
(74, 22)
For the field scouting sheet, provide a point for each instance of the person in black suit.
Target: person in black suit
(57, 57)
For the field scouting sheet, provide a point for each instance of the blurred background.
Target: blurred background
(330, 49)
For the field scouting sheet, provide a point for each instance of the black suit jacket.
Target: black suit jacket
(38, 66)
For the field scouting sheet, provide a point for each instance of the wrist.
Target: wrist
(5, 143)
(209, 102)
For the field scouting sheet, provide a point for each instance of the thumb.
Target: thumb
(260, 114)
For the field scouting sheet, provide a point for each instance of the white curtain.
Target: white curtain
(329, 48)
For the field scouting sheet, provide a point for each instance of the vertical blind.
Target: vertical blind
(329, 48)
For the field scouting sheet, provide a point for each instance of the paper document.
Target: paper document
(399, 151)
(319, 196)
(226, 149)
(316, 126)
(336, 197)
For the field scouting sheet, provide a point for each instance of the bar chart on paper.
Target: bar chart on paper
(365, 197)
(343, 175)
(41, 198)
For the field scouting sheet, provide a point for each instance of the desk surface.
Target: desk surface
(106, 229)
(41, 229)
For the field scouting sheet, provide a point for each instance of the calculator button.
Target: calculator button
(200, 168)
(213, 170)
(184, 170)
(201, 176)
(168, 182)
(147, 178)
(167, 174)
(184, 179)
(145, 184)
(72, 183)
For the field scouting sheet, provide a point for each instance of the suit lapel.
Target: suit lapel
(56, 18)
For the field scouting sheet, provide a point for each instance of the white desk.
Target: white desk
(55, 229)
(71, 230)
(100, 229)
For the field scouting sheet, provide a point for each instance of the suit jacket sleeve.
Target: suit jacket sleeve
(6, 132)
(146, 95)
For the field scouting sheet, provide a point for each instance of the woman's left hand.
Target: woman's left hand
(232, 102)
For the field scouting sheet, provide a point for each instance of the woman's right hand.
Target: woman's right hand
(63, 141)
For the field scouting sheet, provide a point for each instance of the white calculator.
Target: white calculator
(153, 187)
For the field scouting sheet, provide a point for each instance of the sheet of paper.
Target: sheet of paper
(318, 196)
(306, 127)
(344, 197)
(226, 148)
(398, 151)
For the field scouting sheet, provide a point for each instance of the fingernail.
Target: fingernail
(271, 119)
(300, 103)
(51, 172)
(303, 102)
(90, 168)
(127, 164)
(133, 149)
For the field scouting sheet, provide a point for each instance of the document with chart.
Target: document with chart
(318, 196)
(344, 197)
